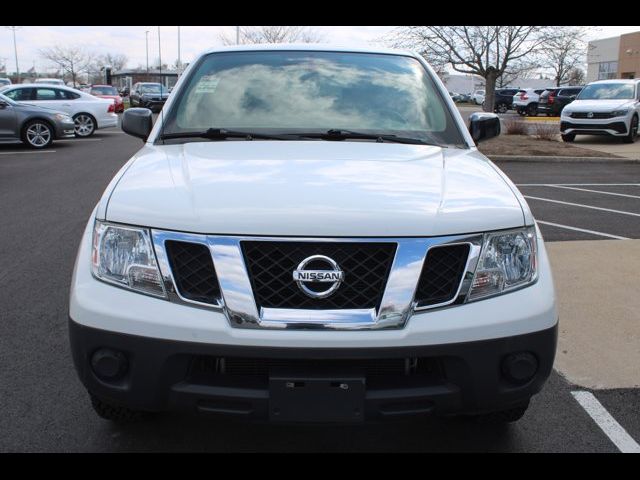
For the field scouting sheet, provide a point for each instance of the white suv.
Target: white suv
(525, 102)
(309, 234)
(605, 107)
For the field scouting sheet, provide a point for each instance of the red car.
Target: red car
(107, 91)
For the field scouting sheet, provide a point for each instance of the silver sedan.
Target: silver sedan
(36, 127)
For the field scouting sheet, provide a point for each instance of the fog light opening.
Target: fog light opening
(519, 368)
(109, 364)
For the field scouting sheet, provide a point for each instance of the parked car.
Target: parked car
(109, 92)
(503, 99)
(296, 241)
(478, 97)
(5, 81)
(605, 107)
(124, 92)
(89, 113)
(455, 96)
(36, 127)
(553, 100)
(525, 101)
(50, 81)
(148, 95)
(465, 97)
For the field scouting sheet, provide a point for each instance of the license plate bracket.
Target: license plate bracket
(321, 397)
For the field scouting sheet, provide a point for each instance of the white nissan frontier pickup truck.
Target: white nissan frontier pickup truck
(309, 234)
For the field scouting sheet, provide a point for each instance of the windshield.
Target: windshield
(103, 91)
(152, 88)
(7, 99)
(607, 91)
(301, 91)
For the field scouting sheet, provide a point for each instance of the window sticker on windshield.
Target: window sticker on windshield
(207, 84)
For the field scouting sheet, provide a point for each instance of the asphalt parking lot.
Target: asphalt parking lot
(45, 201)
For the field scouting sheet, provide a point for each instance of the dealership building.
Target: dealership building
(615, 57)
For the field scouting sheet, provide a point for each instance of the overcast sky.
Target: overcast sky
(131, 40)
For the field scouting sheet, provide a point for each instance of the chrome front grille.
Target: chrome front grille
(250, 279)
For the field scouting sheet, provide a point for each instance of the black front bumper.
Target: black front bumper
(463, 378)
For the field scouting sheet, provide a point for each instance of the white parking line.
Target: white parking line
(592, 232)
(583, 206)
(578, 184)
(37, 152)
(594, 191)
(612, 429)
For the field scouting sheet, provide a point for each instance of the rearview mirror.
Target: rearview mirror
(137, 122)
(483, 126)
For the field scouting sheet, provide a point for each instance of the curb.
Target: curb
(558, 159)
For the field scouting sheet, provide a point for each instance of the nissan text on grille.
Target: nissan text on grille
(310, 234)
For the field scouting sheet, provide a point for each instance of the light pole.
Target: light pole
(237, 35)
(15, 49)
(179, 62)
(146, 36)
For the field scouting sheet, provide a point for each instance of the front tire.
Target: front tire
(37, 134)
(532, 110)
(569, 137)
(502, 108)
(502, 417)
(116, 413)
(633, 130)
(85, 125)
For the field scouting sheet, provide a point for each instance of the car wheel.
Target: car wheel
(37, 134)
(532, 110)
(116, 413)
(569, 137)
(633, 130)
(502, 108)
(503, 416)
(85, 125)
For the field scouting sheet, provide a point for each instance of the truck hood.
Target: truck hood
(313, 188)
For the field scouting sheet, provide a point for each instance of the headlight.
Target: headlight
(124, 256)
(508, 260)
(63, 118)
(620, 113)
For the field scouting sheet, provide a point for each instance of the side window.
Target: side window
(20, 94)
(66, 95)
(46, 94)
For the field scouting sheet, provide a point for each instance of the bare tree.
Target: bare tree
(275, 34)
(564, 52)
(576, 76)
(72, 61)
(487, 51)
(117, 61)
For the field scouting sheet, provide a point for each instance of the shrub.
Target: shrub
(514, 126)
(546, 131)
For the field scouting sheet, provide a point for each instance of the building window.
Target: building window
(607, 70)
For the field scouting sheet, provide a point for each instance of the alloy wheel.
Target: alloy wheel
(84, 125)
(38, 135)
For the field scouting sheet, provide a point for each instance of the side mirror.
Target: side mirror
(483, 126)
(3, 104)
(137, 122)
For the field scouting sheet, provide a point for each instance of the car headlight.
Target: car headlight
(620, 113)
(508, 261)
(124, 256)
(63, 118)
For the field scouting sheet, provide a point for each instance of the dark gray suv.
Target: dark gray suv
(36, 127)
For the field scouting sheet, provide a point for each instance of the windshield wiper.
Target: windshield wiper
(222, 134)
(338, 134)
